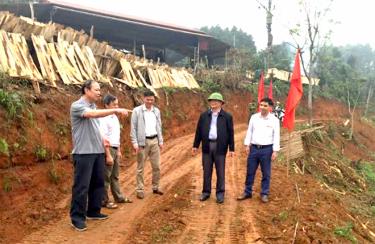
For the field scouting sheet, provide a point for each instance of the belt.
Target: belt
(114, 148)
(210, 140)
(261, 146)
(151, 137)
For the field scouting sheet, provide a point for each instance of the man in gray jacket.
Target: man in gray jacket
(146, 137)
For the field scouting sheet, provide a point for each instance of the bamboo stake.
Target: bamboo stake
(295, 233)
(299, 199)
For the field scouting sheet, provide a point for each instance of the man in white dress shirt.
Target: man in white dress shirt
(262, 144)
(111, 129)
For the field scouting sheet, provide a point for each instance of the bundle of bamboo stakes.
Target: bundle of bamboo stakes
(296, 145)
(76, 57)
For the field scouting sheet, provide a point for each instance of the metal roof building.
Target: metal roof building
(167, 42)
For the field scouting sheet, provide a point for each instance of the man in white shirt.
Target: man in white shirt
(262, 143)
(110, 128)
(147, 139)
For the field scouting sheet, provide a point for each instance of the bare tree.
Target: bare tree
(352, 100)
(315, 38)
(371, 84)
(370, 92)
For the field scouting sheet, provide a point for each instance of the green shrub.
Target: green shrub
(210, 86)
(4, 148)
(368, 170)
(7, 184)
(331, 131)
(251, 87)
(53, 174)
(12, 102)
(41, 153)
(61, 129)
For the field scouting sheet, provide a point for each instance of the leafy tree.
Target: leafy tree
(342, 71)
(281, 57)
(242, 54)
(234, 37)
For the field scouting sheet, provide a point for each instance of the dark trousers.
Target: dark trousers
(263, 157)
(88, 186)
(208, 160)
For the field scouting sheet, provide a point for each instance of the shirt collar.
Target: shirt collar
(267, 117)
(211, 112)
(83, 100)
(145, 109)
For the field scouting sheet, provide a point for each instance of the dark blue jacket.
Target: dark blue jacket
(225, 132)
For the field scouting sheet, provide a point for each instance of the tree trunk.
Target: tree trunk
(369, 95)
(310, 94)
(269, 35)
(351, 126)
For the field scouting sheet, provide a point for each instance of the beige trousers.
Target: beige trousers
(152, 151)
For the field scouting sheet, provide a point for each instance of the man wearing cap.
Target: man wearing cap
(215, 131)
(262, 143)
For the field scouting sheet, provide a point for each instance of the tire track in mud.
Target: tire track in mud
(209, 222)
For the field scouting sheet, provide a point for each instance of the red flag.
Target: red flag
(260, 89)
(270, 95)
(294, 95)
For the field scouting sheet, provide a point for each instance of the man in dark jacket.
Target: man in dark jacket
(215, 130)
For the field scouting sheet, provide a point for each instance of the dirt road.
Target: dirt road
(206, 222)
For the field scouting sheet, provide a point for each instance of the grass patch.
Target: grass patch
(367, 169)
(162, 234)
(53, 174)
(346, 232)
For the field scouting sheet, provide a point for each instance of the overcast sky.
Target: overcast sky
(356, 17)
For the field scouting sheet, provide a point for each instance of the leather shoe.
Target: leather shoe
(264, 198)
(220, 200)
(157, 191)
(140, 195)
(204, 197)
(243, 197)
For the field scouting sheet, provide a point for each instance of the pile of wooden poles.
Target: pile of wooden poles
(49, 53)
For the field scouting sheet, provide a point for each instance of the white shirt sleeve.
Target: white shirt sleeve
(249, 132)
(104, 127)
(276, 136)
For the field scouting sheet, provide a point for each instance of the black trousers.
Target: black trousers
(208, 160)
(88, 186)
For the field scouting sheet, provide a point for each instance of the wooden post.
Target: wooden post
(31, 4)
(288, 155)
(198, 53)
(144, 51)
(134, 47)
(92, 31)
(226, 59)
